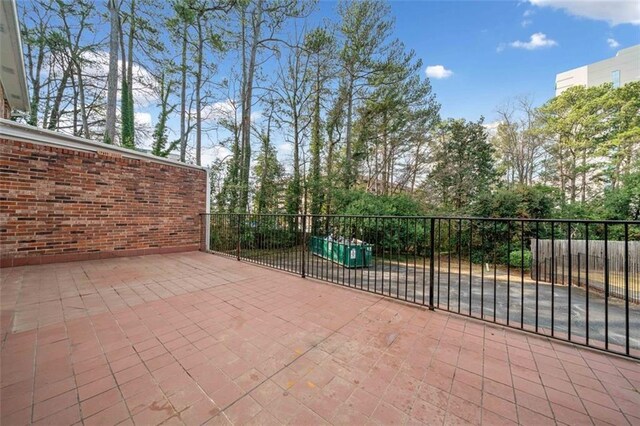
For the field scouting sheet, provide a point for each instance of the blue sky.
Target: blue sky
(492, 51)
(481, 53)
(484, 52)
(464, 37)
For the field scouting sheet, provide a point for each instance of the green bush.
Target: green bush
(398, 235)
(536, 201)
(516, 257)
(269, 233)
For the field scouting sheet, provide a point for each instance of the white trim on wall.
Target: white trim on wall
(12, 73)
(25, 133)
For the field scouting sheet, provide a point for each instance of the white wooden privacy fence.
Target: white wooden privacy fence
(584, 264)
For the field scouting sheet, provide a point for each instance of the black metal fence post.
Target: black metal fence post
(238, 241)
(626, 288)
(431, 262)
(304, 245)
(606, 286)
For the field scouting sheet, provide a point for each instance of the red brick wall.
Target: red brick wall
(60, 205)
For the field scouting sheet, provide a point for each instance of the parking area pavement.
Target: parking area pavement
(521, 301)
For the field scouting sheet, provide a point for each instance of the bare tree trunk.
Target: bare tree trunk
(385, 159)
(47, 103)
(112, 79)
(562, 182)
(132, 31)
(256, 18)
(36, 82)
(54, 117)
(75, 104)
(183, 95)
(83, 107)
(584, 178)
(348, 165)
(573, 178)
(198, 94)
(123, 58)
(329, 174)
(416, 165)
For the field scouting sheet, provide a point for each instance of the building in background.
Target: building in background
(619, 70)
(14, 98)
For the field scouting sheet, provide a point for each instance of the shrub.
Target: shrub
(516, 259)
(397, 235)
(536, 201)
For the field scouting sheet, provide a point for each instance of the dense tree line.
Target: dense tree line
(350, 100)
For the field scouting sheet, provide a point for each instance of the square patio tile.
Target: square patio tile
(194, 338)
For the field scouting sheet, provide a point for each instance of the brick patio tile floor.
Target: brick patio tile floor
(194, 338)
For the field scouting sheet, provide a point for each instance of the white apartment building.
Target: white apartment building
(619, 70)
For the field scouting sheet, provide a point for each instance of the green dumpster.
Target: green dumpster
(350, 254)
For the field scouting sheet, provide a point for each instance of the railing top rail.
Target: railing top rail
(496, 219)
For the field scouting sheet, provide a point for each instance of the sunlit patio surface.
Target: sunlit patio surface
(195, 338)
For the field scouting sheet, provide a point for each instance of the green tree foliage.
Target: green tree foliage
(365, 27)
(518, 259)
(126, 110)
(319, 44)
(137, 29)
(531, 202)
(536, 201)
(294, 92)
(622, 142)
(160, 137)
(395, 121)
(394, 235)
(352, 102)
(593, 139)
(520, 146)
(359, 202)
(269, 176)
(623, 201)
(258, 23)
(576, 124)
(463, 166)
(227, 197)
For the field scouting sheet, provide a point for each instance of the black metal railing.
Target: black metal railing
(573, 280)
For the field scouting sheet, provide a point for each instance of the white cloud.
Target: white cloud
(438, 72)
(285, 148)
(256, 116)
(527, 18)
(142, 118)
(222, 110)
(614, 12)
(613, 43)
(536, 41)
(492, 127)
(225, 110)
(213, 153)
(95, 67)
(143, 129)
